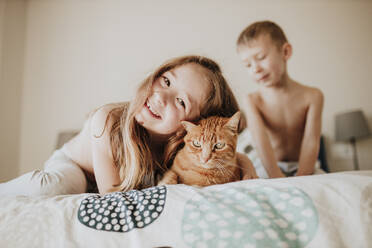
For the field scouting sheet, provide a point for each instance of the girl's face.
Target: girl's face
(175, 96)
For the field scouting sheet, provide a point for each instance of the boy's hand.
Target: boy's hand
(248, 171)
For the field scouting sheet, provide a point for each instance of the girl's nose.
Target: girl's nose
(160, 98)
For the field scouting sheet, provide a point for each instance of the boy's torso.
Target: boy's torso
(284, 115)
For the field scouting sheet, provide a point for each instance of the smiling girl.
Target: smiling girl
(122, 146)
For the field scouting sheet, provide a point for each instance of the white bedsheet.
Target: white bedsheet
(331, 210)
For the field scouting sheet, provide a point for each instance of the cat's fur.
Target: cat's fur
(210, 163)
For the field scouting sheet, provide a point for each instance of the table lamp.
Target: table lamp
(351, 126)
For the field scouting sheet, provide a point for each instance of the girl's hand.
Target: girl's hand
(248, 170)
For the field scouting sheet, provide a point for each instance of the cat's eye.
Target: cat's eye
(196, 143)
(219, 145)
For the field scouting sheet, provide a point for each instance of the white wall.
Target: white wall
(80, 54)
(12, 23)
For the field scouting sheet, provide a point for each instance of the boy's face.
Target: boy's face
(265, 61)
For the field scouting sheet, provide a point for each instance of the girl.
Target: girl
(122, 146)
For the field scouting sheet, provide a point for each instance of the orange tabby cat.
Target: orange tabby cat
(209, 155)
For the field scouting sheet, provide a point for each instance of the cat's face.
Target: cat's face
(212, 143)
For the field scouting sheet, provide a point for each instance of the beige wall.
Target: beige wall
(12, 24)
(81, 54)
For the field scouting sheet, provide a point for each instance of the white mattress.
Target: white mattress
(331, 210)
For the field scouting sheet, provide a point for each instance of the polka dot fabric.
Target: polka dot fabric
(123, 211)
(256, 217)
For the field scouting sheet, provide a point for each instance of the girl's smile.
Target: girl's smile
(151, 110)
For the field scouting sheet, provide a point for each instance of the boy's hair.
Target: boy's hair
(256, 29)
(139, 167)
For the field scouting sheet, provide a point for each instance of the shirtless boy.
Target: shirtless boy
(284, 116)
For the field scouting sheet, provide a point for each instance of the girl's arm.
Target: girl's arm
(106, 174)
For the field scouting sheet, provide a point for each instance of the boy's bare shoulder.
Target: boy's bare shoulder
(312, 94)
(254, 98)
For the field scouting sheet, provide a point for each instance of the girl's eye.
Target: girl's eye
(219, 145)
(166, 81)
(196, 143)
(248, 65)
(181, 102)
(261, 57)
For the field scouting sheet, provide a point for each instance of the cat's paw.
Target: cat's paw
(170, 177)
(250, 176)
(165, 182)
(248, 170)
(161, 183)
(249, 173)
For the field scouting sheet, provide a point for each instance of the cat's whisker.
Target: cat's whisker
(224, 164)
(220, 166)
(229, 164)
(223, 170)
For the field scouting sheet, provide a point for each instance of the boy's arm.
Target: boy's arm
(258, 130)
(311, 140)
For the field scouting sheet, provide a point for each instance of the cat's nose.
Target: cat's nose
(205, 160)
(206, 156)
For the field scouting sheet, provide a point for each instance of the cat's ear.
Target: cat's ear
(188, 125)
(233, 122)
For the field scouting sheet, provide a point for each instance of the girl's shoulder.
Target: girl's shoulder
(105, 116)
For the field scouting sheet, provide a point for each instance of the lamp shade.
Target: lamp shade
(351, 125)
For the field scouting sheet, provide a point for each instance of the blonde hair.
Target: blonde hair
(137, 165)
(256, 29)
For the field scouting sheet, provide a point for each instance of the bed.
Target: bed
(329, 210)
